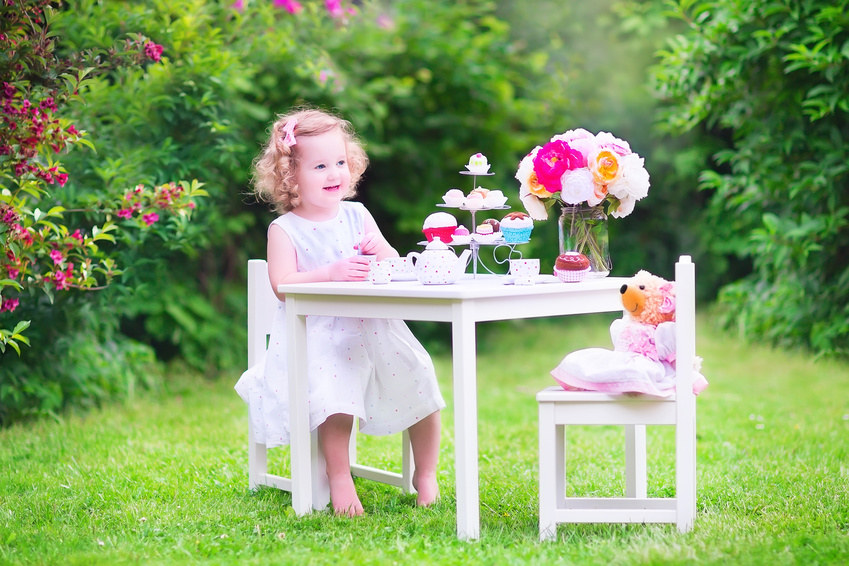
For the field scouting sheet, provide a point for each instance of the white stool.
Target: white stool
(559, 408)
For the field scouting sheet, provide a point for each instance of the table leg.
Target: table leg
(299, 423)
(466, 421)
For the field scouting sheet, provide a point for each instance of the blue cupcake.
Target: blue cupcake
(516, 227)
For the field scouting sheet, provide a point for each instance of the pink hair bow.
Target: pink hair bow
(289, 130)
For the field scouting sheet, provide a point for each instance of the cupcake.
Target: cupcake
(480, 191)
(496, 225)
(486, 233)
(494, 199)
(571, 267)
(462, 235)
(453, 197)
(441, 225)
(478, 164)
(474, 201)
(516, 227)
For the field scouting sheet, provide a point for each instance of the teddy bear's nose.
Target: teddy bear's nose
(622, 289)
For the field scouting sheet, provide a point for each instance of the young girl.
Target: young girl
(372, 369)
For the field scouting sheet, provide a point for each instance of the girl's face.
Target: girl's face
(323, 175)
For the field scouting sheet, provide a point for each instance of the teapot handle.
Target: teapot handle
(465, 257)
(414, 256)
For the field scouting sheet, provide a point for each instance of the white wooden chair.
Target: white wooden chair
(262, 304)
(559, 408)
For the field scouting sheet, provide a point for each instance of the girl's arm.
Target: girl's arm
(283, 264)
(373, 242)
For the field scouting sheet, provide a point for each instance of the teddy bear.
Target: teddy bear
(643, 355)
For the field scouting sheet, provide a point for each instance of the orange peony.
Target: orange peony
(604, 166)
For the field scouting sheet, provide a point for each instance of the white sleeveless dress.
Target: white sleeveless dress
(373, 369)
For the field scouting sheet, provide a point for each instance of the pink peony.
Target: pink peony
(581, 141)
(552, 161)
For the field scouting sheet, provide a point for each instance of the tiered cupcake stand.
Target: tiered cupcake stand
(475, 245)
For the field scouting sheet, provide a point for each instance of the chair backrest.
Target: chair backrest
(685, 328)
(685, 354)
(262, 304)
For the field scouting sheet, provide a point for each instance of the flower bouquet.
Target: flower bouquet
(590, 176)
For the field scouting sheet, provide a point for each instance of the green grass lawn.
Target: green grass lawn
(164, 479)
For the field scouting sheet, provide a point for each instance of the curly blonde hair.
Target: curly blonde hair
(275, 167)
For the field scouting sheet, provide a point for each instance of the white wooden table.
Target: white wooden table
(463, 304)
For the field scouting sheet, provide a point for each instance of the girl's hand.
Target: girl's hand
(354, 268)
(372, 243)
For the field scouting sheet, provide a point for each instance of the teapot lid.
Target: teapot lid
(436, 244)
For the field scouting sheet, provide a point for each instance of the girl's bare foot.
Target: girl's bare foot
(343, 496)
(427, 488)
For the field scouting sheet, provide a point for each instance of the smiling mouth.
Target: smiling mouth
(333, 188)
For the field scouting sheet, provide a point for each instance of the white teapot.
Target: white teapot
(438, 265)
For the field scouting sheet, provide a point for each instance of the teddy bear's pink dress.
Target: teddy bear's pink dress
(642, 361)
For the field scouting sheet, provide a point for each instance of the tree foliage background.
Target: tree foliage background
(753, 116)
(770, 81)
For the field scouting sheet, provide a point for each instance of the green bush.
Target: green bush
(770, 80)
(425, 84)
(62, 240)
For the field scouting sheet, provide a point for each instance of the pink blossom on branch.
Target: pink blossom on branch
(153, 51)
(56, 256)
(149, 219)
(291, 6)
(384, 21)
(60, 280)
(9, 305)
(334, 8)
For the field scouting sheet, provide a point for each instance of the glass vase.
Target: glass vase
(583, 229)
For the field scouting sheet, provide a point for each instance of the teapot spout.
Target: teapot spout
(463, 260)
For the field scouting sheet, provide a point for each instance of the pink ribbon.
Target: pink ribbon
(668, 304)
(289, 130)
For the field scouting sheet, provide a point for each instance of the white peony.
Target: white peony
(523, 173)
(633, 180)
(535, 207)
(626, 207)
(577, 186)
